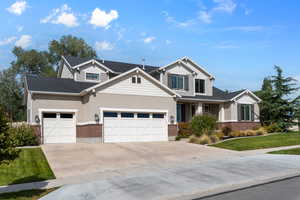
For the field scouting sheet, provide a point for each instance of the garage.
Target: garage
(123, 126)
(59, 128)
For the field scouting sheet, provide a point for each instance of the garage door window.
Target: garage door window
(65, 115)
(157, 115)
(110, 114)
(143, 115)
(127, 115)
(49, 115)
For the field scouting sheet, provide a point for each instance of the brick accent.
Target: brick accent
(238, 126)
(89, 130)
(172, 130)
(37, 131)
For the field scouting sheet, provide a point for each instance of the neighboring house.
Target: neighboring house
(104, 101)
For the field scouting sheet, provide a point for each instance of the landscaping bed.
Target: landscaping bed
(262, 142)
(26, 195)
(30, 166)
(295, 151)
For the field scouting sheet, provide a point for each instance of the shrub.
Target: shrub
(194, 139)
(238, 134)
(203, 124)
(204, 139)
(226, 130)
(255, 128)
(220, 135)
(184, 130)
(273, 128)
(24, 136)
(250, 133)
(214, 138)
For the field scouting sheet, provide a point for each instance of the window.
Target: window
(49, 115)
(139, 80)
(199, 86)
(66, 115)
(133, 79)
(158, 115)
(143, 115)
(92, 76)
(127, 115)
(110, 114)
(180, 113)
(246, 112)
(178, 82)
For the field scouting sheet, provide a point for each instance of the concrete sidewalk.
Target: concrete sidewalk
(185, 181)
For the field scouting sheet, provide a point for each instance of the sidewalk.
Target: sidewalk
(185, 181)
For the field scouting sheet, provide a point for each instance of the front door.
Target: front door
(181, 116)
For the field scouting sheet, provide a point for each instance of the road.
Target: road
(288, 189)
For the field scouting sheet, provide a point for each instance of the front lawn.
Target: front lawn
(261, 142)
(30, 166)
(295, 151)
(25, 195)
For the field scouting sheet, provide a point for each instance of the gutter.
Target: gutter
(55, 93)
(209, 100)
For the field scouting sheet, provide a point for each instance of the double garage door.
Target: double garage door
(134, 127)
(59, 128)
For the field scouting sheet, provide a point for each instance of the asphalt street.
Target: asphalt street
(288, 189)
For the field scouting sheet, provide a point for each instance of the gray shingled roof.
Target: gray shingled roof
(115, 66)
(36, 83)
(218, 95)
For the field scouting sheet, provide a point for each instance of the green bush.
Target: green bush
(273, 128)
(24, 135)
(184, 130)
(203, 124)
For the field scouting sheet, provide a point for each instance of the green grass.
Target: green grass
(25, 195)
(262, 142)
(295, 151)
(30, 166)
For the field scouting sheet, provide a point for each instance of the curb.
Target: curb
(200, 194)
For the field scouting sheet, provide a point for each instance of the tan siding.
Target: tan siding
(89, 68)
(66, 73)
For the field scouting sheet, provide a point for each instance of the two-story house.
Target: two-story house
(94, 100)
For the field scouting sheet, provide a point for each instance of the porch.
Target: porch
(187, 110)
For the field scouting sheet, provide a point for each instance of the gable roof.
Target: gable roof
(55, 85)
(114, 66)
(218, 95)
(137, 70)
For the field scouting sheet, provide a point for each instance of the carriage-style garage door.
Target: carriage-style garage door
(135, 127)
(59, 128)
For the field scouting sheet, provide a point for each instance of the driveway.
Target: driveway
(68, 160)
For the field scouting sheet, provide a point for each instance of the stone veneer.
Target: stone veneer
(238, 126)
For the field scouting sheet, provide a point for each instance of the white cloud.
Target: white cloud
(298, 78)
(20, 28)
(62, 15)
(18, 7)
(149, 39)
(100, 18)
(205, 17)
(172, 20)
(168, 42)
(227, 6)
(104, 46)
(24, 41)
(245, 28)
(7, 40)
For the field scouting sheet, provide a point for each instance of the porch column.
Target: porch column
(221, 112)
(199, 109)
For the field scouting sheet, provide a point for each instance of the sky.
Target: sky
(238, 41)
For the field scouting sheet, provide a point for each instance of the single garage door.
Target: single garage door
(134, 127)
(59, 128)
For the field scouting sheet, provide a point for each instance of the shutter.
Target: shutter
(169, 81)
(239, 106)
(186, 83)
(252, 112)
(203, 86)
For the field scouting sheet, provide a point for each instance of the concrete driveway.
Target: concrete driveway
(68, 160)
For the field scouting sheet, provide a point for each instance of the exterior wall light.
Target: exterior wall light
(97, 119)
(172, 119)
(37, 119)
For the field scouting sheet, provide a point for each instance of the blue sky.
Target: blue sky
(238, 41)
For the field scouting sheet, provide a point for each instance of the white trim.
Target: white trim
(138, 70)
(202, 100)
(66, 61)
(237, 121)
(87, 123)
(200, 66)
(95, 81)
(247, 92)
(93, 61)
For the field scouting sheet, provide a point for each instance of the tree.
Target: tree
(266, 95)
(70, 46)
(7, 146)
(32, 62)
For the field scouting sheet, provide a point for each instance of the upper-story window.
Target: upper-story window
(92, 76)
(200, 86)
(178, 82)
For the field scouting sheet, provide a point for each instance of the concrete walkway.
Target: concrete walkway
(184, 181)
(263, 151)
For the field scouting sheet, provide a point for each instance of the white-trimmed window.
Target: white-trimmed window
(200, 86)
(178, 82)
(245, 112)
(92, 76)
